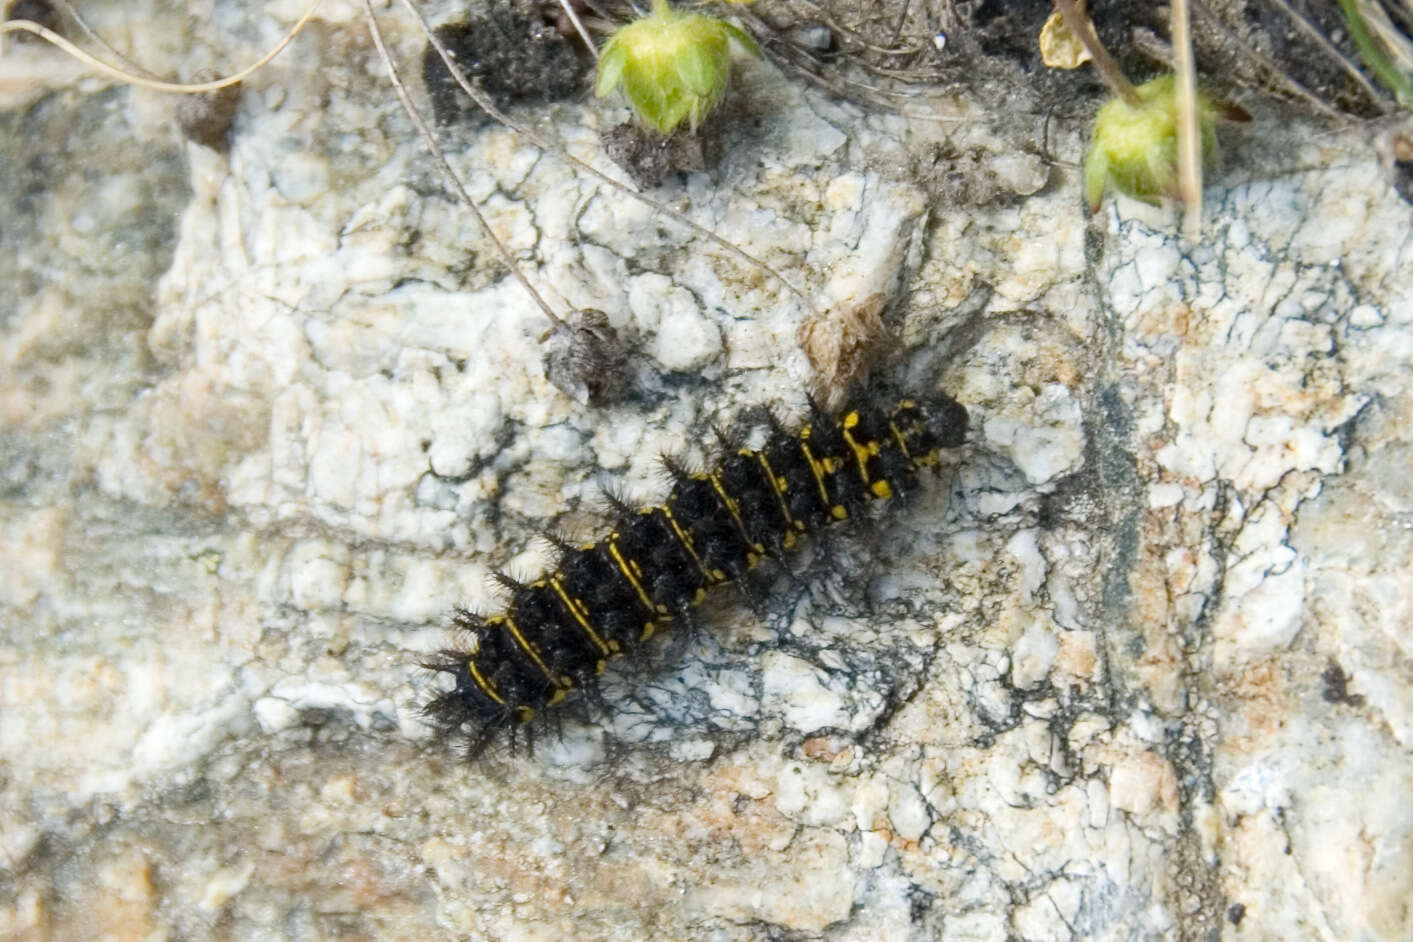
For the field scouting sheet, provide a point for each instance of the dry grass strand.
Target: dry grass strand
(143, 81)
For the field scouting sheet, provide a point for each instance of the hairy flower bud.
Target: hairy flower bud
(672, 66)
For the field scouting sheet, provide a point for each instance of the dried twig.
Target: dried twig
(73, 14)
(1083, 29)
(1189, 131)
(452, 178)
(143, 81)
(1309, 30)
(568, 9)
(489, 107)
(1271, 67)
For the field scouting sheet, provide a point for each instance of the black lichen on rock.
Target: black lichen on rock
(511, 52)
(1336, 683)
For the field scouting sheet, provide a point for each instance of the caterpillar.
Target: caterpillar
(610, 597)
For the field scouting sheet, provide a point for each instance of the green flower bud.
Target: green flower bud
(672, 66)
(1135, 148)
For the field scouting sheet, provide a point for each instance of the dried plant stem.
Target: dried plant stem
(489, 107)
(143, 81)
(1083, 29)
(1272, 68)
(1323, 42)
(902, 19)
(452, 178)
(1189, 133)
(97, 40)
(579, 27)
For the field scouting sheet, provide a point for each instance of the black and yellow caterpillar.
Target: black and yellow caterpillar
(609, 597)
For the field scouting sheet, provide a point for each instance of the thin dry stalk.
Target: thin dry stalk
(131, 78)
(1319, 38)
(902, 18)
(73, 14)
(1189, 131)
(489, 107)
(1270, 66)
(452, 178)
(568, 9)
(1083, 29)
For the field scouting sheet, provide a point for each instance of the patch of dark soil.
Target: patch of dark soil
(513, 52)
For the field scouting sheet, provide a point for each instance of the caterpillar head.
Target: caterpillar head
(930, 424)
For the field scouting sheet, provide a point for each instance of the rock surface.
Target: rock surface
(1137, 665)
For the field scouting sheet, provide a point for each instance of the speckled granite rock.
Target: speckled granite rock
(1136, 666)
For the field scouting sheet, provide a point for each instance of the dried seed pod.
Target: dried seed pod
(1403, 165)
(844, 343)
(206, 119)
(585, 358)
